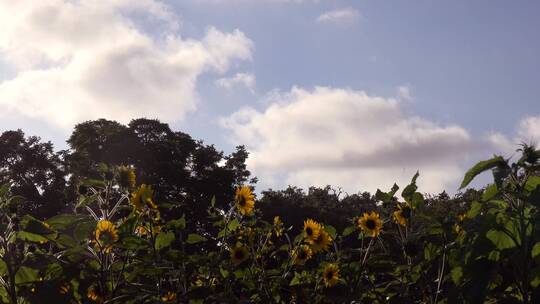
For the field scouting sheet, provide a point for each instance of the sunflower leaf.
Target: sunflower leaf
(194, 238)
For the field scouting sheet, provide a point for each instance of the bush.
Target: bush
(117, 247)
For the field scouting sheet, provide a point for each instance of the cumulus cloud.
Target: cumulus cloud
(240, 79)
(79, 60)
(527, 131)
(340, 16)
(348, 138)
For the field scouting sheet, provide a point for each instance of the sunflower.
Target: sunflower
(239, 254)
(322, 242)
(458, 229)
(370, 223)
(143, 230)
(106, 234)
(143, 197)
(278, 226)
(402, 214)
(245, 200)
(126, 177)
(312, 230)
(302, 254)
(330, 275)
(169, 297)
(64, 289)
(94, 295)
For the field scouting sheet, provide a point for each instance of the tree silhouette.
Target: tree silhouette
(35, 171)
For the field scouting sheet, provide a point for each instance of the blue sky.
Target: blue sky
(352, 93)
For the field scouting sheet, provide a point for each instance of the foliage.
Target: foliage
(135, 237)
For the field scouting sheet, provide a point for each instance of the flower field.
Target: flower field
(122, 245)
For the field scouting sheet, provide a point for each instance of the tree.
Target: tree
(183, 172)
(35, 171)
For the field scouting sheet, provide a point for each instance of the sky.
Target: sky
(355, 94)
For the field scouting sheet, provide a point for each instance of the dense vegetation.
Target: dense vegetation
(143, 214)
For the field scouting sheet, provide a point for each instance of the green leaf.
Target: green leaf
(179, 223)
(35, 226)
(456, 274)
(409, 190)
(393, 191)
(481, 167)
(233, 225)
(62, 221)
(417, 199)
(213, 201)
(224, 273)
(164, 239)
(532, 189)
(490, 192)
(535, 273)
(494, 255)
(26, 275)
(3, 268)
(430, 251)
(194, 238)
(30, 237)
(296, 280)
(331, 231)
(535, 250)
(83, 230)
(4, 189)
(500, 239)
(386, 197)
(132, 242)
(476, 208)
(348, 230)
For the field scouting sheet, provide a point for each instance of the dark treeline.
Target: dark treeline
(183, 171)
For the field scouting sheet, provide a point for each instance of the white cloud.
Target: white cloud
(228, 2)
(527, 131)
(245, 79)
(82, 60)
(340, 16)
(350, 139)
(404, 92)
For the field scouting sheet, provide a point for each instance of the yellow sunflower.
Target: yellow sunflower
(94, 295)
(106, 234)
(143, 230)
(126, 177)
(330, 275)
(302, 254)
(402, 214)
(64, 289)
(143, 197)
(169, 297)
(322, 242)
(278, 226)
(370, 223)
(245, 200)
(312, 230)
(458, 229)
(239, 254)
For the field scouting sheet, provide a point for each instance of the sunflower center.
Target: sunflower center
(302, 255)
(309, 231)
(106, 236)
(242, 201)
(329, 275)
(370, 224)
